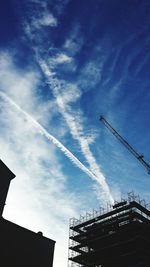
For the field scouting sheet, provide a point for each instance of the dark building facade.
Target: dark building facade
(20, 247)
(119, 237)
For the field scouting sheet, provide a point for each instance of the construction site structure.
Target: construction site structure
(117, 236)
(139, 157)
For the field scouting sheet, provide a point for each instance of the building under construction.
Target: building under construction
(116, 237)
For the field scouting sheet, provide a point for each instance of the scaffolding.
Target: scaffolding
(117, 236)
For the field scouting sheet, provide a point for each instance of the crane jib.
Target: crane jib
(139, 157)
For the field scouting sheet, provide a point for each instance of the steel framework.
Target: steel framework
(114, 237)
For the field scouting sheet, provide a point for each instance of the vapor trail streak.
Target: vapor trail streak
(57, 143)
(55, 85)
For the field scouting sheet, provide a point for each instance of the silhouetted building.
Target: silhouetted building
(5, 178)
(20, 247)
(118, 237)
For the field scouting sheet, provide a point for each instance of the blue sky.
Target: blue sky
(62, 64)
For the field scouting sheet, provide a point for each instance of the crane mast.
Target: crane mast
(139, 157)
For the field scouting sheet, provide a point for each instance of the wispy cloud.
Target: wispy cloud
(54, 140)
(83, 66)
(62, 58)
(90, 74)
(40, 186)
(47, 186)
(38, 20)
(76, 128)
(45, 20)
(74, 40)
(74, 119)
(57, 57)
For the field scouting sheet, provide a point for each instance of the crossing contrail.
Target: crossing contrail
(76, 128)
(58, 144)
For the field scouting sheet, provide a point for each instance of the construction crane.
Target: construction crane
(126, 144)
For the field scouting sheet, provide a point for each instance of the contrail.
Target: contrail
(56, 88)
(57, 143)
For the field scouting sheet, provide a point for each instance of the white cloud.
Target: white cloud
(74, 41)
(90, 75)
(46, 20)
(75, 124)
(62, 58)
(22, 86)
(34, 125)
(57, 58)
(38, 197)
(39, 17)
(17, 83)
(69, 94)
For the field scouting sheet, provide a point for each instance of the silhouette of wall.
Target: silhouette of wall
(20, 247)
(5, 178)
